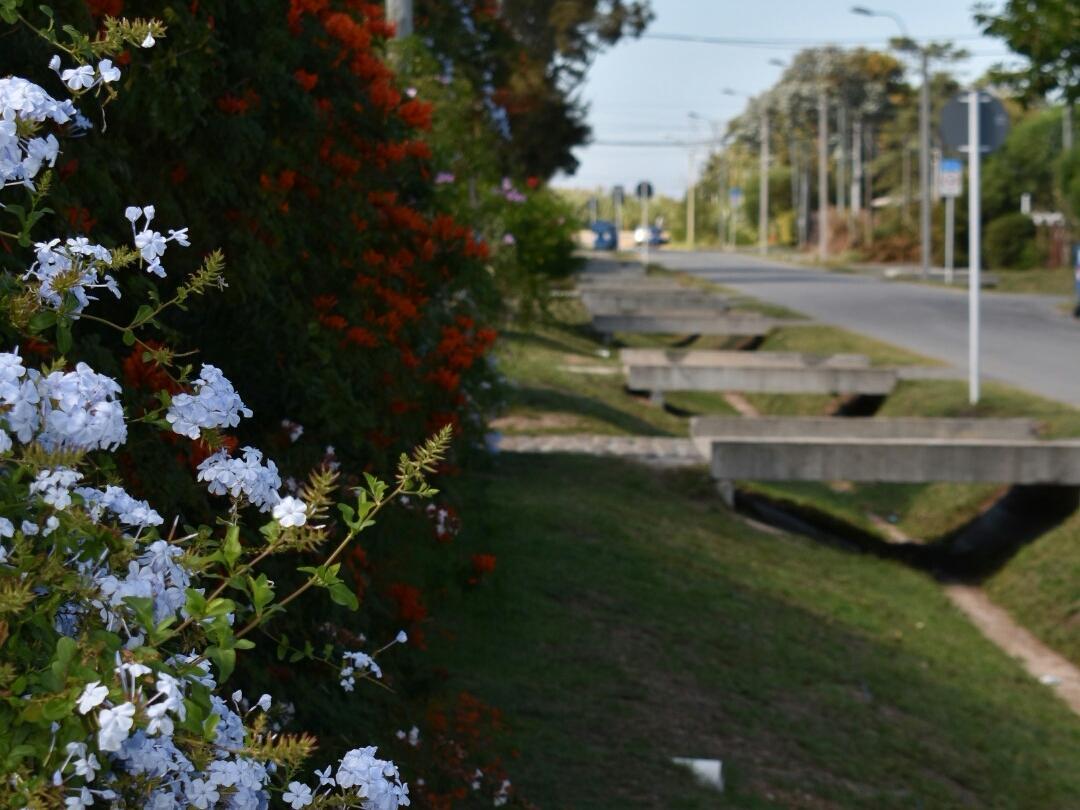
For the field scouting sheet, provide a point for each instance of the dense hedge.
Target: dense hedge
(276, 131)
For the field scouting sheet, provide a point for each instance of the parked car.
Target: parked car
(606, 237)
(653, 234)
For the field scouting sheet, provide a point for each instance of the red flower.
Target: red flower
(416, 113)
(305, 79)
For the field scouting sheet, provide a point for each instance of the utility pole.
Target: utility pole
(823, 175)
(856, 169)
(400, 13)
(763, 188)
(924, 161)
(974, 239)
(841, 163)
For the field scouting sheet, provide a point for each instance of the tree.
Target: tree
(1046, 33)
(529, 57)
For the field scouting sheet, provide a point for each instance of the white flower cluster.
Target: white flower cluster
(354, 664)
(136, 731)
(412, 737)
(375, 782)
(128, 510)
(75, 410)
(215, 404)
(151, 244)
(23, 102)
(246, 477)
(71, 268)
(156, 574)
(85, 77)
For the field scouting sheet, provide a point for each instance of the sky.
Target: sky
(649, 89)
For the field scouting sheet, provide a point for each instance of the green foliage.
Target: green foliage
(1043, 31)
(1009, 242)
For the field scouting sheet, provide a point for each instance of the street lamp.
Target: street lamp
(763, 174)
(924, 128)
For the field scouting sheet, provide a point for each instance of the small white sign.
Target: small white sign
(951, 178)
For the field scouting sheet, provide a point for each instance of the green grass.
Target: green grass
(822, 339)
(632, 618)
(546, 398)
(1039, 587)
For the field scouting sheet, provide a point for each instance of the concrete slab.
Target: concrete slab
(867, 427)
(617, 301)
(716, 358)
(676, 322)
(896, 460)
(758, 372)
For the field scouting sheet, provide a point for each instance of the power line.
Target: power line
(785, 43)
(652, 144)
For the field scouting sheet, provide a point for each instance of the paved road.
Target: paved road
(1027, 341)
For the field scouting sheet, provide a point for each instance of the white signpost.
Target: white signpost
(950, 186)
(974, 122)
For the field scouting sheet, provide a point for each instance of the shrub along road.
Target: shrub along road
(1027, 340)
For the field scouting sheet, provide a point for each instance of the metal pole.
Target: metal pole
(618, 219)
(974, 228)
(950, 224)
(691, 193)
(763, 188)
(924, 163)
(823, 177)
(856, 172)
(841, 162)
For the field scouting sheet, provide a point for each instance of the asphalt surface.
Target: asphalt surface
(1027, 340)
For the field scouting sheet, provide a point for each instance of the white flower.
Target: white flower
(202, 794)
(376, 781)
(264, 703)
(80, 78)
(215, 404)
(242, 478)
(298, 795)
(401, 637)
(114, 726)
(107, 71)
(324, 777)
(93, 695)
(7, 528)
(290, 511)
(54, 486)
(148, 42)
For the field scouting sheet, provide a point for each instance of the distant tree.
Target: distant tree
(1047, 33)
(529, 58)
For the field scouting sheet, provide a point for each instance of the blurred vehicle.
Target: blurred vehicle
(653, 234)
(606, 237)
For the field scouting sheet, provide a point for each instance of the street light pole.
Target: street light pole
(924, 132)
(763, 188)
(823, 176)
(924, 163)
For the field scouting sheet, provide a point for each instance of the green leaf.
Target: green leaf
(42, 321)
(262, 593)
(343, 595)
(63, 336)
(128, 337)
(231, 547)
(225, 660)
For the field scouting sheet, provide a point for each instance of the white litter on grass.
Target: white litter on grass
(707, 771)
(1049, 680)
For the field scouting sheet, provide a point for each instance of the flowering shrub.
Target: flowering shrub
(117, 633)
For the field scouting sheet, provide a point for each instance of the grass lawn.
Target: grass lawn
(1038, 586)
(632, 618)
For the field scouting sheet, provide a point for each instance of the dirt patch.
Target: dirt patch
(524, 423)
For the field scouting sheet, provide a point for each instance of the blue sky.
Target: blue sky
(646, 89)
